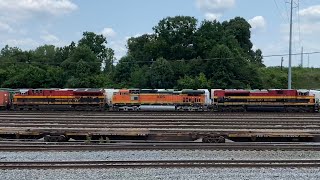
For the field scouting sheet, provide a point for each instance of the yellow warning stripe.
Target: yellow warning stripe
(263, 103)
(266, 97)
(55, 97)
(35, 103)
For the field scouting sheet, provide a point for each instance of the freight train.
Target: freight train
(161, 100)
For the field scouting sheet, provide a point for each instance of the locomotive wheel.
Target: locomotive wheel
(60, 138)
(213, 139)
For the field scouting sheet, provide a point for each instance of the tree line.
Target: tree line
(180, 53)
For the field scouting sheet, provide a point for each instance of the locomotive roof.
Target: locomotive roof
(88, 90)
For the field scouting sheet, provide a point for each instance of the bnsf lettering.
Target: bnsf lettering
(261, 100)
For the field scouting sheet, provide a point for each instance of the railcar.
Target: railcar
(160, 100)
(5, 100)
(264, 100)
(59, 99)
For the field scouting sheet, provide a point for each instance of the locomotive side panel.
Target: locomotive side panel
(265, 100)
(141, 99)
(4, 100)
(35, 99)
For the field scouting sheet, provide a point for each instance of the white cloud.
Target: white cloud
(308, 39)
(257, 22)
(254, 47)
(119, 47)
(215, 5)
(28, 7)
(52, 39)
(212, 16)
(304, 29)
(108, 32)
(137, 35)
(311, 13)
(16, 15)
(49, 38)
(5, 27)
(25, 42)
(310, 28)
(214, 9)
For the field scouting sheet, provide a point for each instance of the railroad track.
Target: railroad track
(158, 164)
(167, 127)
(80, 125)
(40, 146)
(84, 113)
(129, 117)
(159, 121)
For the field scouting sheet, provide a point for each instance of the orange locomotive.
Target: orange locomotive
(139, 99)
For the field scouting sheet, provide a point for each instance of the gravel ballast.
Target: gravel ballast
(173, 173)
(158, 155)
(158, 173)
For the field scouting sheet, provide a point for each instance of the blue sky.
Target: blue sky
(31, 23)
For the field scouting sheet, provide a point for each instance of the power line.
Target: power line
(287, 13)
(293, 54)
(150, 61)
(279, 11)
(299, 27)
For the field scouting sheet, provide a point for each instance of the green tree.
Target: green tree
(43, 55)
(142, 49)
(209, 34)
(80, 67)
(161, 74)
(97, 44)
(175, 37)
(240, 29)
(27, 76)
(221, 65)
(198, 82)
(258, 58)
(123, 70)
(186, 82)
(138, 78)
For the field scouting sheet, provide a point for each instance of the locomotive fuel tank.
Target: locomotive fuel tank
(157, 108)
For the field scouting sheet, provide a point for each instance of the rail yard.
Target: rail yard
(174, 142)
(208, 127)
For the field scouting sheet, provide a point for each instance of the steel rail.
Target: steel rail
(317, 116)
(168, 119)
(153, 126)
(186, 114)
(158, 164)
(94, 121)
(158, 146)
(103, 124)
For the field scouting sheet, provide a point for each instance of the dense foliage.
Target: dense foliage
(178, 54)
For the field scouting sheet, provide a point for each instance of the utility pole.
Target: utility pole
(290, 47)
(281, 62)
(302, 56)
(308, 60)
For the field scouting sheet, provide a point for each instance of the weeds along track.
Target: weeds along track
(158, 164)
(16, 146)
